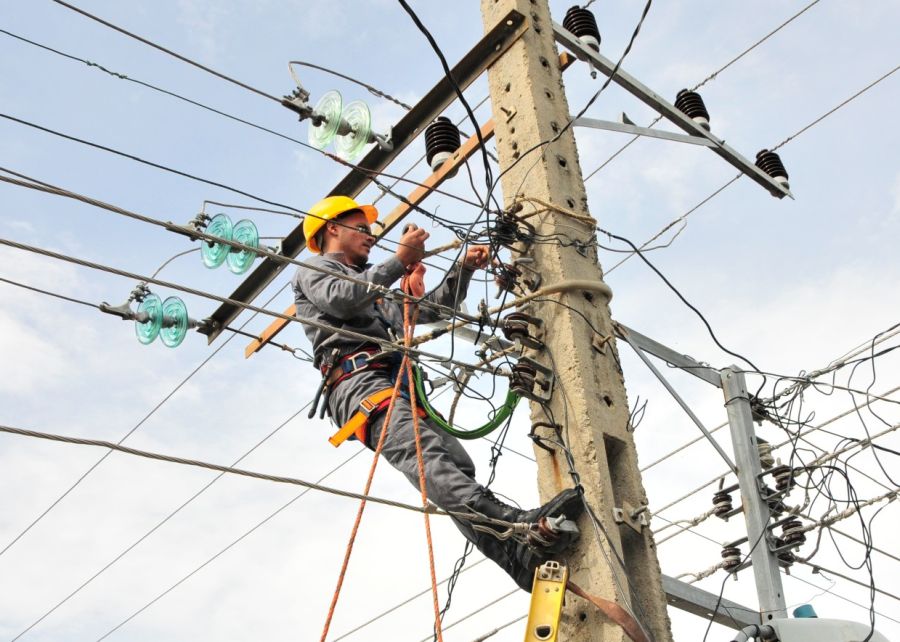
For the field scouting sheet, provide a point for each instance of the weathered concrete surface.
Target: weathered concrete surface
(589, 400)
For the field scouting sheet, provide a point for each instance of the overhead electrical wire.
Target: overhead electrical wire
(731, 181)
(128, 433)
(220, 299)
(280, 479)
(34, 184)
(219, 112)
(168, 51)
(710, 77)
(159, 524)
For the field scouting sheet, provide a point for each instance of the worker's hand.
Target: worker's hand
(412, 246)
(477, 256)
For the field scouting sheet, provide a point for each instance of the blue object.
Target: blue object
(805, 610)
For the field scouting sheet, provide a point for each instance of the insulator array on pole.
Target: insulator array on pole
(691, 104)
(348, 126)
(582, 23)
(722, 504)
(516, 326)
(771, 164)
(731, 558)
(441, 141)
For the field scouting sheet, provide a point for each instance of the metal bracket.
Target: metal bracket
(547, 594)
(544, 387)
(635, 518)
(123, 311)
(624, 128)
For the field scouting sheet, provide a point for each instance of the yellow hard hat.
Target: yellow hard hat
(329, 209)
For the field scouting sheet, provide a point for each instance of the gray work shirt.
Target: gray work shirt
(353, 306)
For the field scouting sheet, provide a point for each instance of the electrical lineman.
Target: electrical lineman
(359, 380)
(530, 108)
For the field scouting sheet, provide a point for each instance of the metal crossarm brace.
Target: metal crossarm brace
(480, 57)
(626, 128)
(691, 599)
(649, 97)
(645, 343)
(681, 402)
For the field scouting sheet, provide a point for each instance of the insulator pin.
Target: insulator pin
(515, 326)
(691, 104)
(771, 164)
(731, 558)
(784, 477)
(441, 141)
(722, 504)
(523, 376)
(766, 458)
(792, 532)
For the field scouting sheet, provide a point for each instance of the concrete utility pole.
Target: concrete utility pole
(588, 398)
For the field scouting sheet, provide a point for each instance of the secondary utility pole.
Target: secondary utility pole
(588, 396)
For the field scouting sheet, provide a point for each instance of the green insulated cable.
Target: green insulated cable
(502, 414)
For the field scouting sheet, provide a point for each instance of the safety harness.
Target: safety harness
(345, 367)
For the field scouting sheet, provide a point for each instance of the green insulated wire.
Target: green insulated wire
(501, 416)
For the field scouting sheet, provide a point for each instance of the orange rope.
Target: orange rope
(362, 505)
(412, 284)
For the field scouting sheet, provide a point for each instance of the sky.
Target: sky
(791, 284)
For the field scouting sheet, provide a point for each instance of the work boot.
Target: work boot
(517, 559)
(568, 503)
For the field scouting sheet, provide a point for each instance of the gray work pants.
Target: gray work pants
(449, 470)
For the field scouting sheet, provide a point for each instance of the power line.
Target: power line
(159, 525)
(229, 546)
(404, 603)
(48, 293)
(836, 107)
(712, 76)
(258, 525)
(131, 431)
(816, 569)
(193, 233)
(168, 51)
(756, 44)
(138, 159)
(219, 112)
(837, 595)
(728, 183)
(477, 611)
(183, 288)
(431, 510)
